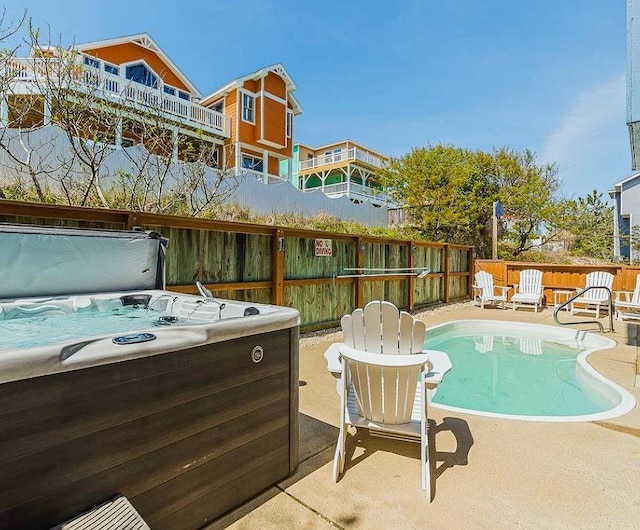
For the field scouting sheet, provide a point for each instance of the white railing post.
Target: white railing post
(119, 134)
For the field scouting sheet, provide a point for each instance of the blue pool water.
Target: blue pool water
(502, 370)
(53, 327)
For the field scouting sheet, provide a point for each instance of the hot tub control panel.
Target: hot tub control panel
(134, 338)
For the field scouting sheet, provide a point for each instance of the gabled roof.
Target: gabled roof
(618, 185)
(258, 74)
(145, 41)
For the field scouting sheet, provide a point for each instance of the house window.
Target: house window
(248, 103)
(333, 156)
(184, 95)
(90, 61)
(289, 123)
(141, 74)
(169, 90)
(110, 69)
(251, 162)
(218, 107)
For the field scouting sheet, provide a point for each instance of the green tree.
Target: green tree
(529, 193)
(447, 192)
(592, 226)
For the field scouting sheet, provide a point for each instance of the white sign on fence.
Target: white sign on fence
(324, 247)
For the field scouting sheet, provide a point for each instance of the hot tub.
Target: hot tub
(110, 384)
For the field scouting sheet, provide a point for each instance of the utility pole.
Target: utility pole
(497, 213)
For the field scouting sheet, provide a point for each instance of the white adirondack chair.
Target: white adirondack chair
(594, 298)
(384, 378)
(529, 291)
(485, 292)
(629, 307)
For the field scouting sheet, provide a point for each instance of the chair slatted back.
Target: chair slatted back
(530, 282)
(381, 328)
(598, 279)
(384, 394)
(635, 299)
(484, 280)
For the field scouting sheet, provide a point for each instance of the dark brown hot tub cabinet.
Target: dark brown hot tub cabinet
(186, 435)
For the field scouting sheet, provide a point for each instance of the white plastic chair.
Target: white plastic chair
(485, 291)
(630, 306)
(594, 297)
(529, 291)
(385, 379)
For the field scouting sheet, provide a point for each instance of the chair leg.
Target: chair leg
(426, 469)
(338, 458)
(597, 310)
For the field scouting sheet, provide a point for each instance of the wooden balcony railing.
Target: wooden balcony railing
(345, 155)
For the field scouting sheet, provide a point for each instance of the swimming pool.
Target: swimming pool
(524, 371)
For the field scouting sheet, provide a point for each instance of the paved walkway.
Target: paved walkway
(490, 473)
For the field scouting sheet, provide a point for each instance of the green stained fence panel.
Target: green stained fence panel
(429, 257)
(216, 257)
(259, 296)
(458, 287)
(428, 291)
(458, 260)
(320, 303)
(394, 291)
(300, 261)
(385, 256)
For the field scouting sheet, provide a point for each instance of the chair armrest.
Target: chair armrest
(440, 365)
(505, 288)
(332, 356)
(626, 294)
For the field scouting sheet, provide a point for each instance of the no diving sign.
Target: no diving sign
(324, 247)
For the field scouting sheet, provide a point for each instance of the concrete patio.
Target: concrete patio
(489, 472)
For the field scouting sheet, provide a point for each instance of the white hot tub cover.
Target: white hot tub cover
(46, 261)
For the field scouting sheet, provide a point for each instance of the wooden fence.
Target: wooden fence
(557, 277)
(262, 263)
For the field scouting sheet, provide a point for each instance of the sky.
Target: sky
(544, 75)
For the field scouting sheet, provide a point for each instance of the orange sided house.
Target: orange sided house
(247, 124)
(261, 107)
(131, 72)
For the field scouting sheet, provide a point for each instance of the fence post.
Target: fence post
(277, 265)
(132, 220)
(446, 272)
(359, 264)
(411, 278)
(471, 265)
